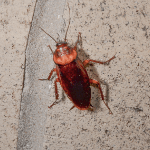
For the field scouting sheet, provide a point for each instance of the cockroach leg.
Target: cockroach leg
(56, 94)
(85, 62)
(53, 70)
(102, 96)
(72, 107)
(51, 49)
(56, 89)
(56, 102)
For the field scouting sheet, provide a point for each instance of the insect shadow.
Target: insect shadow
(92, 72)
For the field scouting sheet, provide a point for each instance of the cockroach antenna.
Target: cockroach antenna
(68, 24)
(48, 35)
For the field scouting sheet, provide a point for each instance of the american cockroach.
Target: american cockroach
(71, 74)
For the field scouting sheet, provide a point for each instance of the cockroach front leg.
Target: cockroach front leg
(53, 70)
(102, 96)
(85, 62)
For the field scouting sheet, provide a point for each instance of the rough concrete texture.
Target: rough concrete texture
(35, 99)
(15, 21)
(108, 28)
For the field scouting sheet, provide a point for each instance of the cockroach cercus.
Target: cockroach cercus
(72, 76)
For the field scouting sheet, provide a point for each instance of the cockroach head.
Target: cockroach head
(64, 54)
(60, 44)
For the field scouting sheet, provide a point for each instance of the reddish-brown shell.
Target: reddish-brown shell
(75, 82)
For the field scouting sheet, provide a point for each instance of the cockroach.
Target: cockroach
(71, 74)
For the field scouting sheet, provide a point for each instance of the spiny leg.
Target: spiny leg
(102, 96)
(56, 94)
(85, 62)
(53, 70)
(72, 107)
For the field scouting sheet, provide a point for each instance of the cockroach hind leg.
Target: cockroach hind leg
(110, 112)
(51, 105)
(71, 108)
(56, 102)
(101, 92)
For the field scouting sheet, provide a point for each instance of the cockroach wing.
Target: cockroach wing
(75, 82)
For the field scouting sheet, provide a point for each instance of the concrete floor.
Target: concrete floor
(107, 28)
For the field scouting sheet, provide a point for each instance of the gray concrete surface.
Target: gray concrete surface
(108, 28)
(35, 99)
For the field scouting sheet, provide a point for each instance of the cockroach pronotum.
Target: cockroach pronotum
(71, 74)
